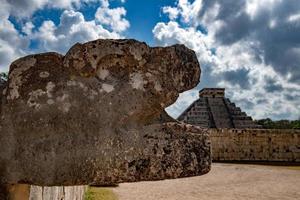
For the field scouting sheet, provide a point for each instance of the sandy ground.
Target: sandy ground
(223, 182)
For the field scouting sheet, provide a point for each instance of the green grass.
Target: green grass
(294, 167)
(99, 193)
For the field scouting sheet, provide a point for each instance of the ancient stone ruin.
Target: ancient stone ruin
(213, 110)
(96, 116)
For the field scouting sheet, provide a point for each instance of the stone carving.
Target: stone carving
(96, 116)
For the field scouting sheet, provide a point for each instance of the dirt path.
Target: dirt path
(224, 182)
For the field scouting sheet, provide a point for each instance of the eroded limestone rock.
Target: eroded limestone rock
(96, 116)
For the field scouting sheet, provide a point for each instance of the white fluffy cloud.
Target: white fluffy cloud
(72, 27)
(25, 8)
(27, 28)
(171, 11)
(114, 17)
(11, 43)
(233, 57)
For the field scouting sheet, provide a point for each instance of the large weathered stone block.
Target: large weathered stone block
(96, 116)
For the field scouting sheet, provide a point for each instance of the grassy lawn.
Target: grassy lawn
(99, 193)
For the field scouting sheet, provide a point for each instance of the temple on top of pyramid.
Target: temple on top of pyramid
(213, 110)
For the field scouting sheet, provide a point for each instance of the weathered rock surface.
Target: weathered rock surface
(2, 86)
(96, 116)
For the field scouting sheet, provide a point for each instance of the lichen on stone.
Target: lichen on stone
(97, 116)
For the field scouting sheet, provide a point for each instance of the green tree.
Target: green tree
(3, 76)
(280, 124)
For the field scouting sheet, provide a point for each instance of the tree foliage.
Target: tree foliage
(281, 124)
(3, 76)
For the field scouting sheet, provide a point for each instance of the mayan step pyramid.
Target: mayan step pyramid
(213, 110)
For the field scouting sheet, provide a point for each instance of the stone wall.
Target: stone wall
(255, 145)
(57, 193)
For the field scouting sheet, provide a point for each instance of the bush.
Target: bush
(3, 76)
(281, 124)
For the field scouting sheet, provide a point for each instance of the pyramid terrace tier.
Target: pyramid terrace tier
(213, 110)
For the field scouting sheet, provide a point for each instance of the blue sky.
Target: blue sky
(252, 48)
(144, 15)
